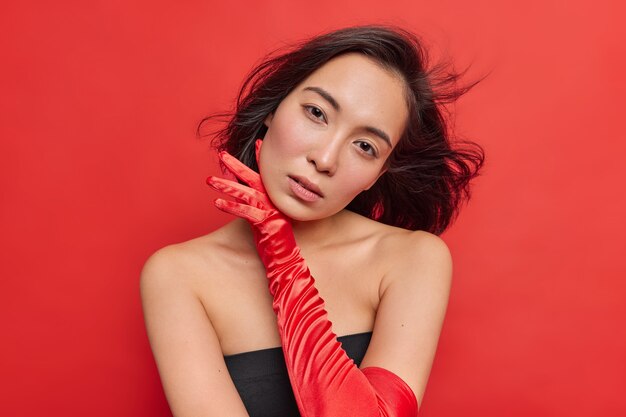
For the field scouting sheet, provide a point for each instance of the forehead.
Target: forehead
(366, 92)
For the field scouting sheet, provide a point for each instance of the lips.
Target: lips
(304, 182)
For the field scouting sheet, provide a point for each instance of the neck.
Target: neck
(316, 233)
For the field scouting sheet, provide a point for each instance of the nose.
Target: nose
(325, 155)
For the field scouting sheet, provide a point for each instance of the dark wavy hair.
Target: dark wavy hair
(427, 177)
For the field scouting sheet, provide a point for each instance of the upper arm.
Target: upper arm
(411, 311)
(185, 346)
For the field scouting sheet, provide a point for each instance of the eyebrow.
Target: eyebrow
(331, 100)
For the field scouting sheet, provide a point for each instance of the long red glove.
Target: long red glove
(325, 381)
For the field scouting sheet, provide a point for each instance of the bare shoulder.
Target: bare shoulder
(171, 262)
(417, 255)
(424, 253)
(192, 262)
(183, 339)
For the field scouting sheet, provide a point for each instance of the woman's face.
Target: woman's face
(328, 140)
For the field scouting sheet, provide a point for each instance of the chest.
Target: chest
(239, 305)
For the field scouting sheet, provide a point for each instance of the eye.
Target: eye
(367, 148)
(315, 112)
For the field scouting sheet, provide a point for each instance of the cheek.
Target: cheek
(289, 134)
(357, 179)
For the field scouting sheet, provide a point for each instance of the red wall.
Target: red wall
(100, 167)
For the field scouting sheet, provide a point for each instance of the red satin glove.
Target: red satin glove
(325, 381)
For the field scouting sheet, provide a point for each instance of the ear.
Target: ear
(268, 120)
(382, 171)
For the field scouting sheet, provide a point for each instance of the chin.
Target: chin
(298, 211)
(301, 215)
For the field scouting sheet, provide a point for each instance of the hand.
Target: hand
(253, 203)
(272, 231)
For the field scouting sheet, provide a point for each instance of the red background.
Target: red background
(100, 167)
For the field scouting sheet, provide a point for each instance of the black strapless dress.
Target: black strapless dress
(261, 377)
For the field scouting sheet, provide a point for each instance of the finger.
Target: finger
(249, 213)
(241, 171)
(238, 191)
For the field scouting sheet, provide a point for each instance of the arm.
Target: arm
(324, 380)
(401, 352)
(186, 349)
(413, 300)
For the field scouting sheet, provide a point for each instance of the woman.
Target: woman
(355, 174)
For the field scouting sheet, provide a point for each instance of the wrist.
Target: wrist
(274, 237)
